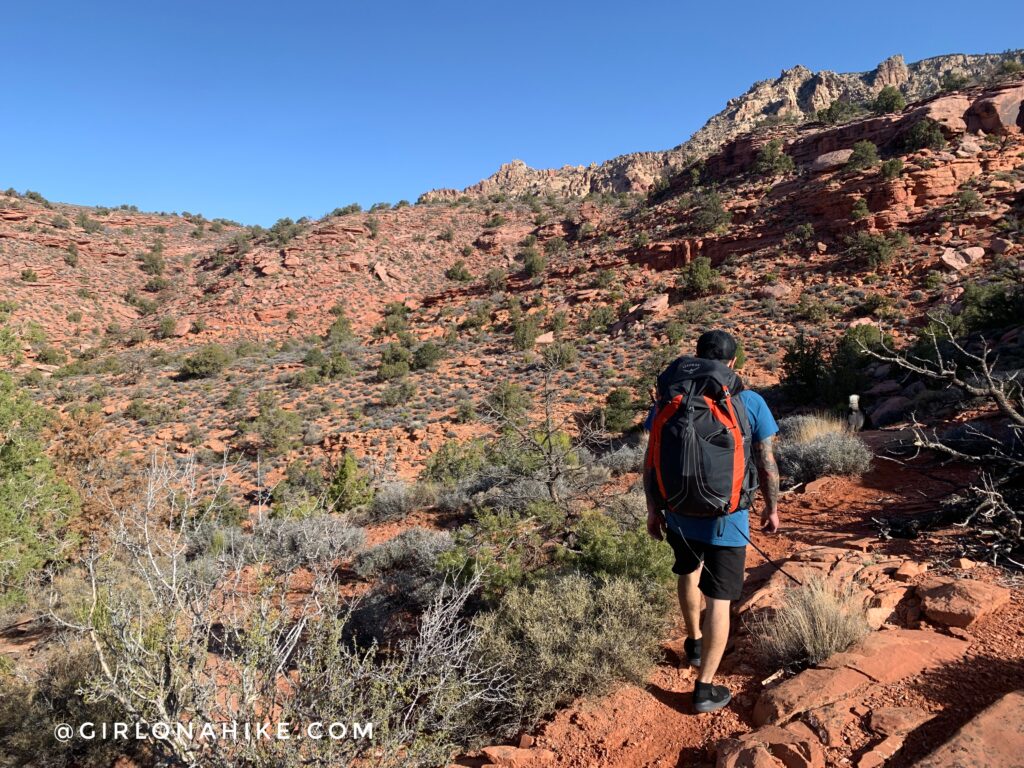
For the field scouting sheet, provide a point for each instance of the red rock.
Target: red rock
(883, 657)
(545, 338)
(775, 291)
(897, 721)
(525, 741)
(1001, 245)
(655, 305)
(830, 160)
(993, 738)
(909, 570)
(880, 753)
(515, 757)
(960, 602)
(973, 253)
(953, 260)
(998, 112)
(964, 564)
(771, 747)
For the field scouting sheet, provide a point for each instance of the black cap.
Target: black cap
(716, 345)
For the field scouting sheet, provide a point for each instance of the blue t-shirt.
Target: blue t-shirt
(727, 530)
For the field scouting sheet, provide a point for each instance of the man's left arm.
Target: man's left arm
(768, 475)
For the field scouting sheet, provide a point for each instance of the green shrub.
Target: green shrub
(35, 504)
(348, 487)
(336, 366)
(459, 272)
(208, 361)
(277, 428)
(814, 370)
(891, 169)
(90, 226)
(801, 235)
(620, 410)
(860, 209)
(839, 111)
(29, 275)
(427, 356)
(924, 134)
(888, 100)
(876, 250)
(560, 355)
(709, 214)
(509, 401)
(401, 392)
(569, 638)
(525, 331)
(865, 155)
(599, 319)
(455, 461)
(152, 262)
(496, 278)
(534, 262)
(341, 329)
(605, 550)
(772, 161)
(165, 329)
(346, 210)
(953, 81)
(395, 362)
(699, 278)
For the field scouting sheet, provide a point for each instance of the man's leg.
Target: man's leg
(716, 634)
(689, 603)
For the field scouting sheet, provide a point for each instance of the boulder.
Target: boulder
(890, 410)
(993, 738)
(882, 657)
(1001, 245)
(775, 291)
(960, 602)
(545, 338)
(997, 112)
(973, 254)
(953, 260)
(831, 160)
(517, 757)
(771, 747)
(897, 721)
(909, 570)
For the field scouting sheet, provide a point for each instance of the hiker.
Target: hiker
(710, 444)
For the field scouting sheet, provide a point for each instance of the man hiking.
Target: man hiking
(710, 443)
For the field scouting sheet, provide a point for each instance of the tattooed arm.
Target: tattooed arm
(768, 475)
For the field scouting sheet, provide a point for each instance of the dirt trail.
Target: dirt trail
(643, 727)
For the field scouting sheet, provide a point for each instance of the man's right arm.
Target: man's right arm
(768, 475)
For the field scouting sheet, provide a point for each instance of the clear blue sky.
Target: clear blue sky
(256, 110)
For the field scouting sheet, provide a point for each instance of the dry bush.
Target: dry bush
(815, 446)
(816, 620)
(33, 703)
(805, 428)
(396, 500)
(232, 634)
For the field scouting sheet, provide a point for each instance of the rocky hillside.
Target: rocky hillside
(795, 96)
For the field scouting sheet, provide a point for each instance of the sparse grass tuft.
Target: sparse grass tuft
(815, 621)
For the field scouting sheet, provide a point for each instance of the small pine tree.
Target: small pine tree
(772, 161)
(888, 100)
(865, 155)
(348, 488)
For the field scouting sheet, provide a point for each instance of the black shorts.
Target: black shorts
(722, 577)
